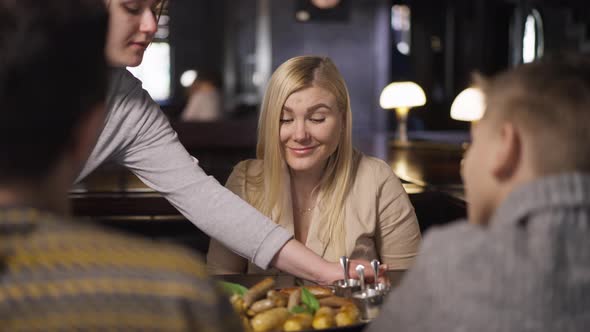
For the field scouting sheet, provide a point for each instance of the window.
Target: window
(532, 39)
(155, 70)
(400, 23)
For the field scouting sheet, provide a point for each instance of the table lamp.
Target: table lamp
(469, 105)
(402, 96)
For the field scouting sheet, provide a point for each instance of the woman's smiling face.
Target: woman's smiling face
(311, 129)
(132, 26)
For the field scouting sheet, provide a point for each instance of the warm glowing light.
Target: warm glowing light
(188, 78)
(403, 48)
(469, 105)
(303, 15)
(402, 94)
(325, 4)
(532, 40)
(529, 40)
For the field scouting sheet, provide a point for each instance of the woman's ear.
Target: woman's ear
(508, 152)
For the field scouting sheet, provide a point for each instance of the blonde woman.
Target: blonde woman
(308, 178)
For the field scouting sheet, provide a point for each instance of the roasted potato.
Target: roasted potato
(237, 303)
(245, 323)
(298, 322)
(347, 315)
(269, 320)
(263, 309)
(323, 319)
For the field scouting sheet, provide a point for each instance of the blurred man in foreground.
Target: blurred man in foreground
(56, 274)
(523, 261)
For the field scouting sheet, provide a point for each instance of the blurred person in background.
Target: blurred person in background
(205, 102)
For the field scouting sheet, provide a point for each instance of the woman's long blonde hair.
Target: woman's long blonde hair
(265, 188)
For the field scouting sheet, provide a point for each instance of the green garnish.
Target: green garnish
(232, 288)
(309, 300)
(298, 309)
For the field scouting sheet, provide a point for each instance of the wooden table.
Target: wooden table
(432, 172)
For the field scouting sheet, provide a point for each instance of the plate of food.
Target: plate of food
(264, 308)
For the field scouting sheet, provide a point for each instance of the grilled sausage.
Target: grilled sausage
(294, 298)
(335, 301)
(257, 291)
(279, 299)
(261, 305)
(318, 291)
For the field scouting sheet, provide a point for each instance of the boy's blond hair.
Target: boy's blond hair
(550, 101)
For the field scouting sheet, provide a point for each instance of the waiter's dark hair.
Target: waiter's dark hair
(52, 71)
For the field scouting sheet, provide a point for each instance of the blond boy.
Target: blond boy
(522, 263)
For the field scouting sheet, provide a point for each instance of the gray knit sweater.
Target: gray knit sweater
(528, 271)
(138, 136)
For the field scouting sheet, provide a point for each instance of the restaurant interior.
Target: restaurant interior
(434, 44)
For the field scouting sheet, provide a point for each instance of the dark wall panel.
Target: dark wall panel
(358, 46)
(196, 38)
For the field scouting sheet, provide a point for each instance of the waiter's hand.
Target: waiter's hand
(300, 261)
(369, 275)
(333, 272)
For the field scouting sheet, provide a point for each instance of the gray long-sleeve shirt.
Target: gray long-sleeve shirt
(138, 136)
(528, 271)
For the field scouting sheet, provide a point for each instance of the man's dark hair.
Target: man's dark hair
(52, 71)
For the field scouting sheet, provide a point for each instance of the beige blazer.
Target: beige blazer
(379, 220)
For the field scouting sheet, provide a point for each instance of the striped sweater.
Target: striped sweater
(59, 275)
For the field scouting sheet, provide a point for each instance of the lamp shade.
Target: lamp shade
(402, 94)
(469, 105)
(325, 4)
